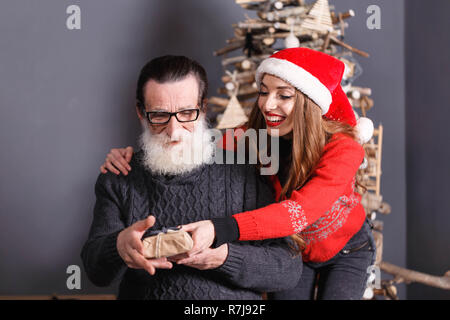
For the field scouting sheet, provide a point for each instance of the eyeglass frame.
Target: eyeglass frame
(147, 113)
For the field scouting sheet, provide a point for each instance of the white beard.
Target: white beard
(194, 149)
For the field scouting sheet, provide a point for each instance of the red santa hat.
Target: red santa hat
(317, 75)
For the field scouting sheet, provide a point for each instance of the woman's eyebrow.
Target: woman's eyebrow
(281, 87)
(285, 87)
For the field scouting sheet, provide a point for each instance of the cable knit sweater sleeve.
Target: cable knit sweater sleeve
(263, 266)
(101, 259)
(334, 174)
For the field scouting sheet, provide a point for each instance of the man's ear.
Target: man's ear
(139, 112)
(205, 105)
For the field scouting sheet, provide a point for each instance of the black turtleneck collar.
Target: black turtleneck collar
(285, 159)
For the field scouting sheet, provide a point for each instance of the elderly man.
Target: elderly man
(164, 189)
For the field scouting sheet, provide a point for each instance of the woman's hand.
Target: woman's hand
(205, 260)
(202, 233)
(118, 159)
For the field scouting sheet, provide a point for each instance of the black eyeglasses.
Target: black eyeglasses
(163, 117)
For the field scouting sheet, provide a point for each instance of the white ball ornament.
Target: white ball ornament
(278, 5)
(291, 41)
(230, 86)
(356, 94)
(368, 294)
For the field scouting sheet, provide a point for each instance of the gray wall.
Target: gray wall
(384, 73)
(67, 98)
(427, 141)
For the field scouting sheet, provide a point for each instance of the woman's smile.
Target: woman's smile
(274, 120)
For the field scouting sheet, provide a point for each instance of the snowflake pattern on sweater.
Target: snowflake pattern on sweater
(297, 215)
(333, 219)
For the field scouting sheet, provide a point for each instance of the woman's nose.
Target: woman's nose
(269, 103)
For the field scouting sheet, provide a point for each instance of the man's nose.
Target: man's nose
(172, 126)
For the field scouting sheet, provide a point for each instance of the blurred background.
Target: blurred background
(67, 97)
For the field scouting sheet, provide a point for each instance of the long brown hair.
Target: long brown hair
(310, 133)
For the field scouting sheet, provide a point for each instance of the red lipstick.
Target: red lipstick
(274, 120)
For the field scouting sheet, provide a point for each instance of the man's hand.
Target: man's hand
(207, 259)
(131, 250)
(202, 233)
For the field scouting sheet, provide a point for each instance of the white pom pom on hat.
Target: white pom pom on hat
(365, 129)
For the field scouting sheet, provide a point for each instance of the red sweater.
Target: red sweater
(326, 211)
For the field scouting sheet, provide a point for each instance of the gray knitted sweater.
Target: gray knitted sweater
(207, 192)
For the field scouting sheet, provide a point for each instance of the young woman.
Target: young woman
(302, 102)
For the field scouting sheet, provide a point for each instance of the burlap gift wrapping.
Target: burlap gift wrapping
(167, 244)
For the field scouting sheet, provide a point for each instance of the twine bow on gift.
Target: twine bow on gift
(163, 230)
